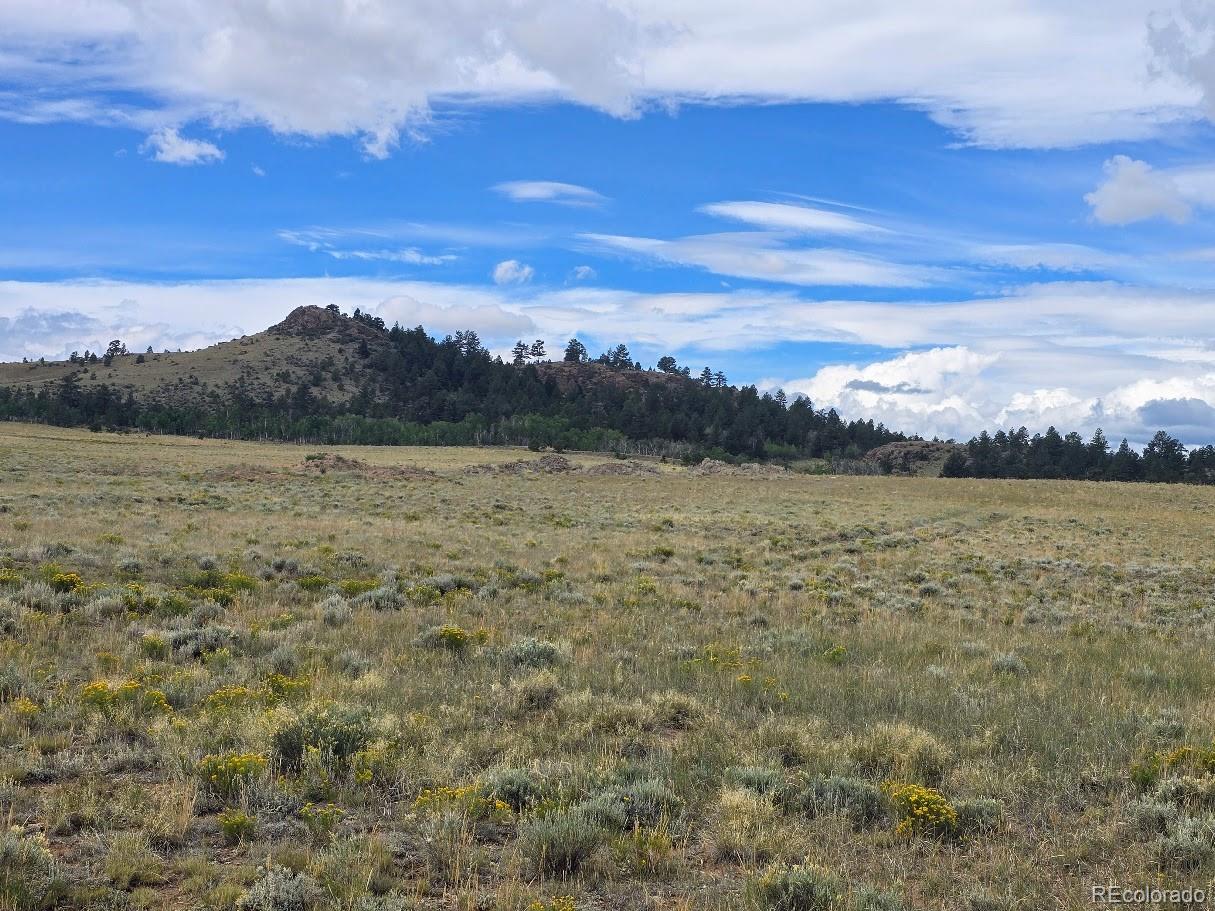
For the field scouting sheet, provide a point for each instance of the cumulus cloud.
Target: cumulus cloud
(583, 274)
(955, 392)
(512, 272)
(171, 147)
(1133, 191)
(1015, 76)
(564, 194)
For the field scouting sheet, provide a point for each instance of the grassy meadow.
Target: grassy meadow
(236, 677)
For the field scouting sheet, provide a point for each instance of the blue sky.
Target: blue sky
(942, 223)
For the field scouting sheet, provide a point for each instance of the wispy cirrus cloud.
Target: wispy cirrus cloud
(562, 194)
(351, 245)
(768, 257)
(785, 217)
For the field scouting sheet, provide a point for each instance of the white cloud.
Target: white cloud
(169, 146)
(1133, 191)
(767, 257)
(369, 70)
(785, 217)
(955, 392)
(1057, 257)
(583, 274)
(1184, 43)
(258, 171)
(564, 194)
(512, 272)
(488, 319)
(1025, 73)
(927, 390)
(338, 244)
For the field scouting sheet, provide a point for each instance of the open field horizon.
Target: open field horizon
(238, 675)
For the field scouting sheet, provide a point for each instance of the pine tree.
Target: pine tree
(519, 353)
(575, 352)
(1164, 459)
(537, 350)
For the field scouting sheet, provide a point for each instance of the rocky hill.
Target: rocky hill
(313, 345)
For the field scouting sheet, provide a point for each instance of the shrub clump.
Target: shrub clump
(337, 732)
(449, 637)
(279, 889)
(532, 652)
(863, 803)
(386, 597)
(558, 843)
(1011, 664)
(236, 825)
(194, 642)
(903, 752)
(922, 811)
(797, 888)
(28, 873)
(519, 788)
(639, 803)
(757, 779)
(336, 612)
(1190, 845)
(978, 815)
(225, 774)
(745, 829)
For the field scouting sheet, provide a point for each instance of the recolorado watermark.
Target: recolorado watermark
(1112, 894)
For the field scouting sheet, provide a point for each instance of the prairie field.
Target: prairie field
(261, 677)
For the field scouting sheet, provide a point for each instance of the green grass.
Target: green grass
(672, 691)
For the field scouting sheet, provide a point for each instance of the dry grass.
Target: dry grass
(720, 646)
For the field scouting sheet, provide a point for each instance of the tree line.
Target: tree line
(1016, 454)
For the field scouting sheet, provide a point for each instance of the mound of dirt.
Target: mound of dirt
(630, 467)
(325, 462)
(747, 469)
(548, 464)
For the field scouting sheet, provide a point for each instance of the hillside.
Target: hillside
(321, 376)
(311, 346)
